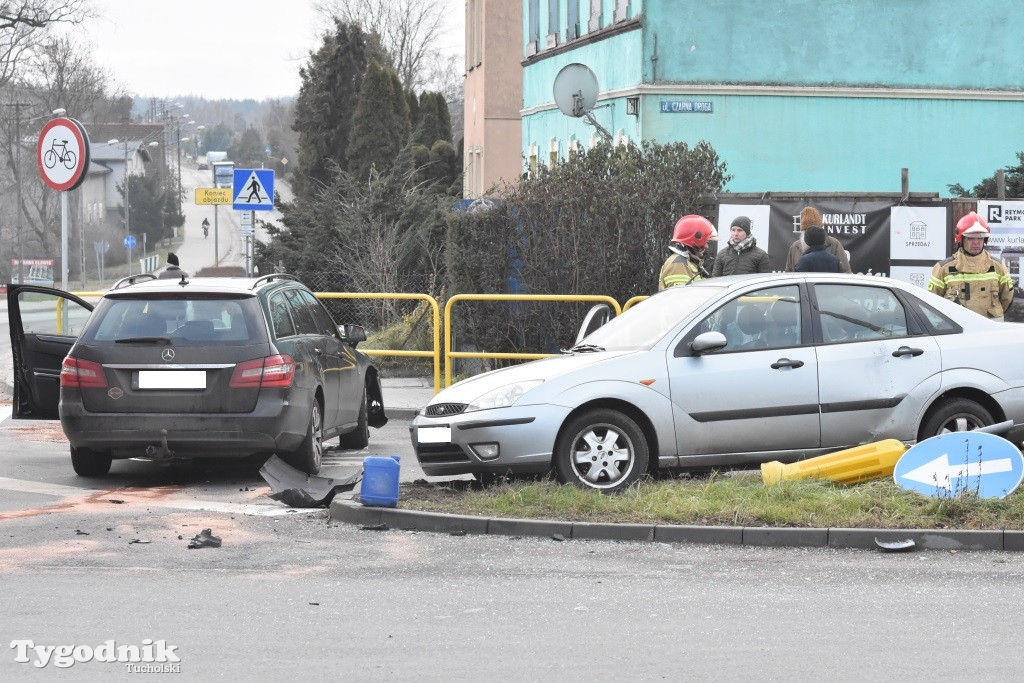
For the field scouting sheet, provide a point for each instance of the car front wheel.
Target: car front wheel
(89, 463)
(310, 454)
(954, 415)
(601, 449)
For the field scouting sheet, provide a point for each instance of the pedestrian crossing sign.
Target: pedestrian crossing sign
(253, 189)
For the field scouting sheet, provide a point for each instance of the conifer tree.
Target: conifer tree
(380, 125)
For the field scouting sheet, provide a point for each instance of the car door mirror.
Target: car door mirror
(597, 316)
(353, 334)
(708, 342)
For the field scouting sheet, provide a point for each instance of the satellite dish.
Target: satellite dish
(575, 90)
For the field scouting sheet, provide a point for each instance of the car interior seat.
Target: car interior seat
(752, 323)
(196, 330)
(146, 325)
(783, 323)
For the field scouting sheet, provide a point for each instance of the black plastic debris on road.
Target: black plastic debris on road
(375, 527)
(204, 539)
(895, 546)
(300, 490)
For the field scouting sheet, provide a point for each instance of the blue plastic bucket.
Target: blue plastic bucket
(380, 481)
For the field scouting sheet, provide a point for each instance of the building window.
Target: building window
(621, 138)
(474, 33)
(595, 16)
(553, 153)
(621, 10)
(594, 139)
(574, 148)
(532, 167)
(572, 21)
(552, 40)
(533, 24)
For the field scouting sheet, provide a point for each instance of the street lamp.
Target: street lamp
(17, 163)
(124, 181)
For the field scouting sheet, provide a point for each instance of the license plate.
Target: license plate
(172, 379)
(434, 435)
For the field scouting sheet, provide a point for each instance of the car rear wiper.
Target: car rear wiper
(584, 348)
(143, 340)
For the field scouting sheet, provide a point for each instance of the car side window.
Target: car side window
(858, 313)
(320, 315)
(280, 316)
(763, 319)
(301, 312)
(51, 314)
(935, 322)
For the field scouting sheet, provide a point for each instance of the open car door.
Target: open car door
(44, 323)
(596, 317)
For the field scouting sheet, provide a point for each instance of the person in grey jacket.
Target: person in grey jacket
(172, 271)
(740, 255)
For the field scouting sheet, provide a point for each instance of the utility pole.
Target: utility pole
(178, 122)
(17, 173)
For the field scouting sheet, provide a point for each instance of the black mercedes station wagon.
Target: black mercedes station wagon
(200, 368)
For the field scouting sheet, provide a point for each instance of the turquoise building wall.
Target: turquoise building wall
(806, 95)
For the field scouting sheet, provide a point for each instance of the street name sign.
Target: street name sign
(213, 195)
(961, 462)
(253, 189)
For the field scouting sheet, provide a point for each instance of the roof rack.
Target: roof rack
(131, 279)
(273, 276)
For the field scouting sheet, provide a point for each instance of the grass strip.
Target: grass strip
(738, 499)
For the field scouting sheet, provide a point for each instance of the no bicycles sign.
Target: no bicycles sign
(63, 154)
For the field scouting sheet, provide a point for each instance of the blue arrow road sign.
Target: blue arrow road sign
(129, 242)
(961, 462)
(253, 189)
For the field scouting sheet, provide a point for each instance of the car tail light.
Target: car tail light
(271, 371)
(84, 374)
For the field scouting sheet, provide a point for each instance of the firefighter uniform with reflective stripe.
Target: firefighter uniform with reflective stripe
(980, 283)
(678, 270)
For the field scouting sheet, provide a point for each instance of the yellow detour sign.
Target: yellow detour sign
(213, 195)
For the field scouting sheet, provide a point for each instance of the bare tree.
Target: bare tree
(23, 23)
(409, 30)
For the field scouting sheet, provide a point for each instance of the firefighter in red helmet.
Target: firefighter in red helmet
(689, 238)
(971, 277)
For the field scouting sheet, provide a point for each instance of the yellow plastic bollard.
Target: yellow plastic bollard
(851, 466)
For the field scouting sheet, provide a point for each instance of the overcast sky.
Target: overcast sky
(219, 49)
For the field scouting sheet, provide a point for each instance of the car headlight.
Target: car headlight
(502, 397)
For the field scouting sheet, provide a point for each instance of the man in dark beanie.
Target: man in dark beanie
(816, 259)
(810, 217)
(172, 271)
(740, 255)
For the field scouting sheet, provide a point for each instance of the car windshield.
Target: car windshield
(195, 320)
(647, 322)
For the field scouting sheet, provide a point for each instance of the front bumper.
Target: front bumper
(525, 436)
(279, 423)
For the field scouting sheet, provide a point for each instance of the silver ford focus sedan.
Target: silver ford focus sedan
(733, 372)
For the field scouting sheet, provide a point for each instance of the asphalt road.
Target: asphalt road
(293, 595)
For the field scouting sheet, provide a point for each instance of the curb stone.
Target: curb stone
(352, 512)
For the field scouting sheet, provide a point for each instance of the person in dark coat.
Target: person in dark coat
(740, 255)
(816, 259)
(810, 217)
(172, 271)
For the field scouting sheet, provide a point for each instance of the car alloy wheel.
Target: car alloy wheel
(601, 449)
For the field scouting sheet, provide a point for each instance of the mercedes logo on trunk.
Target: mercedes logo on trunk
(167, 355)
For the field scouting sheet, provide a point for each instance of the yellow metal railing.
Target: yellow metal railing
(634, 301)
(449, 354)
(435, 354)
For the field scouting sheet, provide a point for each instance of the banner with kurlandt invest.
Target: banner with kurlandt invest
(880, 237)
